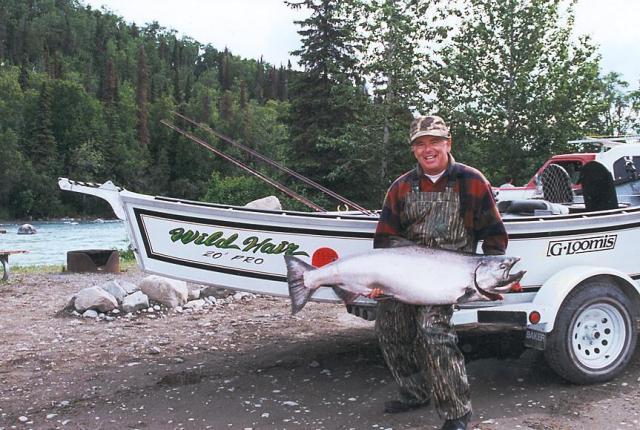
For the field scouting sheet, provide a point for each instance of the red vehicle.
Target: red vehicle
(620, 158)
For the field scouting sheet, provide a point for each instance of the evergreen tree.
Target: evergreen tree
(24, 74)
(3, 31)
(226, 106)
(225, 73)
(142, 97)
(109, 84)
(243, 95)
(43, 149)
(259, 90)
(325, 100)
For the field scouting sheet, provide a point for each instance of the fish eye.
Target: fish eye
(503, 266)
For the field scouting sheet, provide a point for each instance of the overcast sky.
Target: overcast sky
(251, 28)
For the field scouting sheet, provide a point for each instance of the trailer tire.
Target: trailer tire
(595, 333)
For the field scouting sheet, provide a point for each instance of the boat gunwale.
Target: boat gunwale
(532, 218)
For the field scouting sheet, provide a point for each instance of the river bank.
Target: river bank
(250, 364)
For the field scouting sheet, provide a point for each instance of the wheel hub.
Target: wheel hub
(598, 335)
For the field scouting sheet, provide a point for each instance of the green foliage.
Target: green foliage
(516, 87)
(83, 94)
(235, 190)
(127, 255)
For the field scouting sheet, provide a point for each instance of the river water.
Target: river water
(53, 239)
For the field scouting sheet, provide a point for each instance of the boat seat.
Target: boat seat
(597, 187)
(531, 207)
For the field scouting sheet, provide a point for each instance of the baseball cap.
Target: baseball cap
(431, 125)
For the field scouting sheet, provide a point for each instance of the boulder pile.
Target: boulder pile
(153, 296)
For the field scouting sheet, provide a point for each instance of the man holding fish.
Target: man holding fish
(422, 263)
(445, 205)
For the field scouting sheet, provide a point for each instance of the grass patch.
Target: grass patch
(53, 268)
(127, 254)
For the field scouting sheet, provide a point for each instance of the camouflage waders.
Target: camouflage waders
(419, 343)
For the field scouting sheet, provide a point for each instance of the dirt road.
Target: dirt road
(250, 365)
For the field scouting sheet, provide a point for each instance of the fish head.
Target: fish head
(493, 274)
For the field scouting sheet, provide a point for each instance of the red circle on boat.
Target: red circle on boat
(323, 256)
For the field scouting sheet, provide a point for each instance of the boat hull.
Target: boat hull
(243, 249)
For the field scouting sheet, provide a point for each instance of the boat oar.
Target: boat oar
(254, 172)
(275, 164)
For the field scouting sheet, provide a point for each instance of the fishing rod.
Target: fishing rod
(275, 164)
(254, 172)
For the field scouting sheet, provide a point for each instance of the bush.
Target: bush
(236, 190)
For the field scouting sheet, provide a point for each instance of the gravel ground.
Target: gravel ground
(249, 365)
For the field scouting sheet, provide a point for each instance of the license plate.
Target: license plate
(535, 339)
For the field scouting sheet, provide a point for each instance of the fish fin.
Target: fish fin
(345, 296)
(468, 293)
(298, 292)
(398, 242)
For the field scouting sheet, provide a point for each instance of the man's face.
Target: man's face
(432, 153)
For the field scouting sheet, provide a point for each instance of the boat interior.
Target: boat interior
(599, 192)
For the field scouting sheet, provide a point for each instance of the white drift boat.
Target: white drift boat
(579, 301)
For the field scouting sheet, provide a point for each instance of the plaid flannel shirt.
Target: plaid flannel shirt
(478, 207)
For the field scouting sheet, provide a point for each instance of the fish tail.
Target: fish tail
(299, 294)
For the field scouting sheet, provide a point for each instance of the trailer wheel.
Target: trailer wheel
(595, 334)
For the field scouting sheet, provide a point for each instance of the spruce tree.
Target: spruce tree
(43, 151)
(142, 98)
(324, 105)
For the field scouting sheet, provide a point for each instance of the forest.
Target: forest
(83, 94)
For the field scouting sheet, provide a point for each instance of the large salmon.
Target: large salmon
(410, 274)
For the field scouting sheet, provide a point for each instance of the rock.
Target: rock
(217, 292)
(134, 302)
(129, 287)
(194, 293)
(95, 298)
(169, 292)
(115, 311)
(242, 295)
(70, 306)
(195, 304)
(114, 288)
(269, 203)
(26, 229)
(90, 313)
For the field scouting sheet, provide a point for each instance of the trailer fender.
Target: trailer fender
(553, 292)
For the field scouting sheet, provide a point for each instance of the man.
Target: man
(439, 204)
